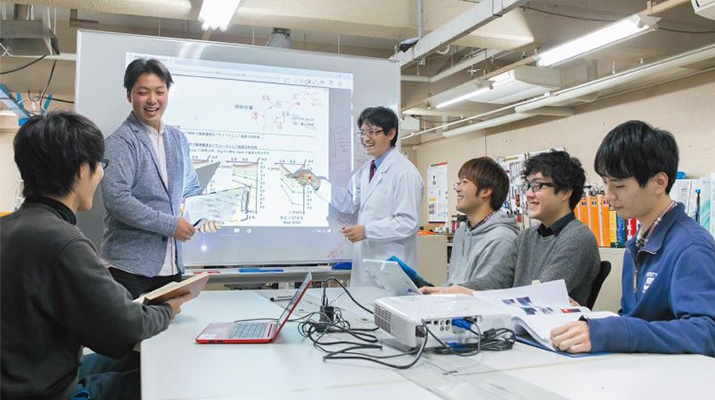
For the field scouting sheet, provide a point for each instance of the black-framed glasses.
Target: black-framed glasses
(370, 133)
(535, 186)
(104, 163)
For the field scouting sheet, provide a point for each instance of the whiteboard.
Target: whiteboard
(100, 95)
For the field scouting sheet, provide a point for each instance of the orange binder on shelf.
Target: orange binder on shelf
(604, 221)
(614, 226)
(582, 210)
(593, 215)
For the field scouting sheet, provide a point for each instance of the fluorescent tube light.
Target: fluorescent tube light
(627, 28)
(217, 13)
(484, 87)
(463, 97)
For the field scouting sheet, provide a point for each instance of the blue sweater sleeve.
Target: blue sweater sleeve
(692, 301)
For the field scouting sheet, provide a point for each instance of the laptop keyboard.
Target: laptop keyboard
(248, 330)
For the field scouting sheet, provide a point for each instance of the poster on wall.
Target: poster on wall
(437, 208)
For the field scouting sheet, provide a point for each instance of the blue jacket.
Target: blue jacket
(141, 213)
(672, 309)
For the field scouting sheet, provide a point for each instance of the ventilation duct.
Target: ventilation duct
(27, 38)
(279, 38)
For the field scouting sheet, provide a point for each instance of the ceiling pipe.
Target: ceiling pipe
(531, 108)
(172, 9)
(420, 18)
(548, 99)
(482, 56)
(476, 17)
(611, 81)
(490, 123)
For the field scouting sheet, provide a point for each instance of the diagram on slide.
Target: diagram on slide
(277, 114)
(260, 133)
(245, 175)
(295, 193)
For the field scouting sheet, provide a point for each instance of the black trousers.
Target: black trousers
(138, 284)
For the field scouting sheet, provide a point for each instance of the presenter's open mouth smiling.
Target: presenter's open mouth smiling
(151, 110)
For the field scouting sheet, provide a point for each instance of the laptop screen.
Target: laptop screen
(294, 301)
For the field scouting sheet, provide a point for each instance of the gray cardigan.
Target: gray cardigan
(477, 251)
(571, 255)
(141, 213)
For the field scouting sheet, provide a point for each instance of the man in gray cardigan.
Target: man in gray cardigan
(561, 247)
(487, 240)
(149, 174)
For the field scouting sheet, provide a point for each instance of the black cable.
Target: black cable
(44, 91)
(348, 293)
(311, 327)
(447, 349)
(377, 359)
(62, 100)
(498, 339)
(684, 31)
(23, 67)
(611, 20)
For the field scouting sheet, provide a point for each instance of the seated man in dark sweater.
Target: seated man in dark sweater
(668, 281)
(57, 295)
(561, 247)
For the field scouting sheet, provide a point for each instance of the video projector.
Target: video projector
(403, 316)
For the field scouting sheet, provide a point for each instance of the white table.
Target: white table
(174, 367)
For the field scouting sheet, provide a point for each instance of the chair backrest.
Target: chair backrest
(603, 272)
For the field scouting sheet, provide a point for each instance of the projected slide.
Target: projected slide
(261, 127)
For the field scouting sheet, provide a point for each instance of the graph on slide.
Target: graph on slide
(295, 193)
(245, 174)
(260, 134)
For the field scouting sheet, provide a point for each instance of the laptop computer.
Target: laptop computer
(252, 331)
(390, 276)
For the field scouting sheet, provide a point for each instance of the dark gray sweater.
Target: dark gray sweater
(571, 255)
(58, 296)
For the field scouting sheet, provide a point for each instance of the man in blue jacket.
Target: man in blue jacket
(668, 300)
(149, 174)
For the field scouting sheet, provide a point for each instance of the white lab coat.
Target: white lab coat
(388, 207)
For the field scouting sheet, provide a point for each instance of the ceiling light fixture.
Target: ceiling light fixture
(217, 14)
(514, 85)
(625, 29)
(482, 89)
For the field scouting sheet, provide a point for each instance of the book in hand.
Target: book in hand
(192, 285)
(537, 309)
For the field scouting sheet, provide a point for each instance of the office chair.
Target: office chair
(603, 272)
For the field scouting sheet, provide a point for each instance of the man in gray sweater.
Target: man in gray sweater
(57, 295)
(561, 247)
(488, 239)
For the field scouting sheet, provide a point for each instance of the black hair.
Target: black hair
(143, 66)
(50, 149)
(636, 149)
(565, 171)
(485, 173)
(383, 117)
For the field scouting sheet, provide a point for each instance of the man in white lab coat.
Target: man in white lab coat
(385, 192)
